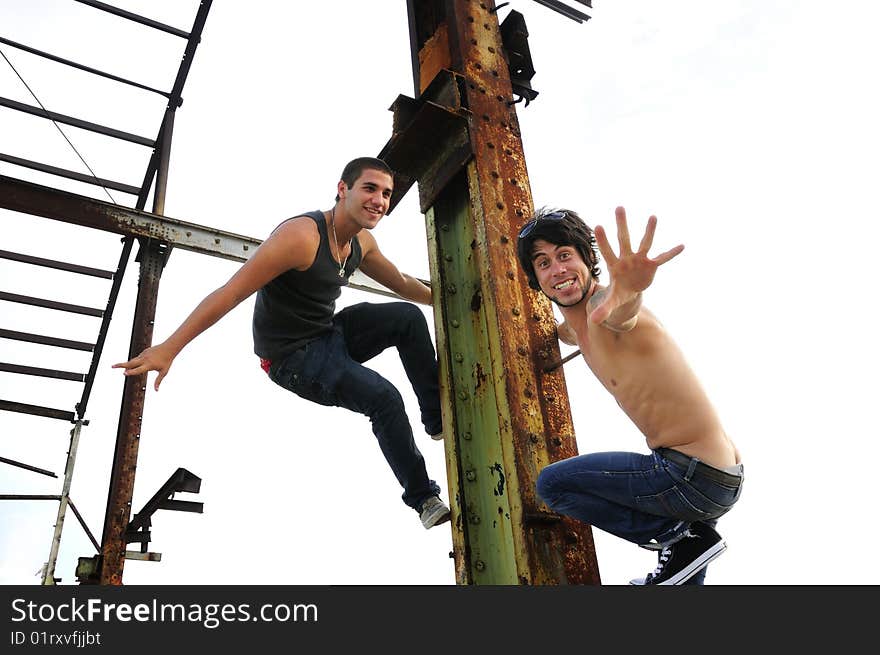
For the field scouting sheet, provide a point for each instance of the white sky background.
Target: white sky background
(750, 129)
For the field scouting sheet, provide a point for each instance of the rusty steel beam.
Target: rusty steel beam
(496, 337)
(113, 543)
(36, 200)
(29, 198)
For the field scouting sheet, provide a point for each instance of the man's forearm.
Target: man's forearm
(625, 317)
(414, 290)
(214, 307)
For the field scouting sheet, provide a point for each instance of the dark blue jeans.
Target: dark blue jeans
(329, 371)
(640, 498)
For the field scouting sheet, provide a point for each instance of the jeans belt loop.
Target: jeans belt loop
(691, 468)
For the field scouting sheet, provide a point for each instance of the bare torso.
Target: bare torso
(647, 374)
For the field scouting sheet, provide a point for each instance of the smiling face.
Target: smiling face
(368, 199)
(561, 273)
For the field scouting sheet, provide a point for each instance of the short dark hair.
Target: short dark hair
(561, 227)
(355, 168)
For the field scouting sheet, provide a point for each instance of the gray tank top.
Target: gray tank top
(298, 306)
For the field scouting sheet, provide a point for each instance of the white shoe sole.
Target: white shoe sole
(441, 515)
(697, 565)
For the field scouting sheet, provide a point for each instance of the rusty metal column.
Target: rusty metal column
(113, 542)
(495, 335)
(152, 257)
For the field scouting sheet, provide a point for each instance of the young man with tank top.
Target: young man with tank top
(670, 500)
(305, 346)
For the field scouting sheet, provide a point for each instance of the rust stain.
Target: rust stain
(434, 56)
(479, 375)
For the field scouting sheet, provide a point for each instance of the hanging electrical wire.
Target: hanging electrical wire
(58, 127)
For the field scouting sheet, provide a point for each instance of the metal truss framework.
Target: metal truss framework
(152, 256)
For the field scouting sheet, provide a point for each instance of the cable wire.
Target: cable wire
(85, 163)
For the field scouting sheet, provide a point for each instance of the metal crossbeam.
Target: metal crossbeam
(76, 122)
(27, 197)
(149, 22)
(46, 341)
(70, 175)
(87, 69)
(41, 372)
(27, 467)
(50, 304)
(36, 410)
(51, 263)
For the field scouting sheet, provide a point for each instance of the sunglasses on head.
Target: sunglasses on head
(528, 227)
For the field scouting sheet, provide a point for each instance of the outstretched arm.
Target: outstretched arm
(617, 306)
(288, 247)
(383, 270)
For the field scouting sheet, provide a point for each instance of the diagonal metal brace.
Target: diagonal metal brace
(181, 481)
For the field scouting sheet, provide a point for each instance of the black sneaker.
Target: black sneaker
(685, 558)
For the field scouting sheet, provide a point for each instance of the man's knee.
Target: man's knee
(547, 486)
(384, 398)
(407, 314)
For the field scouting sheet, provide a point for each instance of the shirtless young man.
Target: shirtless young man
(671, 499)
(317, 353)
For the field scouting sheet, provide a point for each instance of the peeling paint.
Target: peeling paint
(476, 301)
(499, 489)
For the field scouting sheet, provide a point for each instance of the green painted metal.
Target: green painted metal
(476, 451)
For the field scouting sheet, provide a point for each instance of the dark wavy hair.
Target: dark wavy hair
(561, 227)
(355, 168)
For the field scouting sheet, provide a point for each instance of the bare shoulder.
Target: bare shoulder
(293, 244)
(298, 227)
(367, 241)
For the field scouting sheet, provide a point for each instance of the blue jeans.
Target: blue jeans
(328, 371)
(637, 497)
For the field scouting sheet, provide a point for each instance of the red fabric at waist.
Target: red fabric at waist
(265, 364)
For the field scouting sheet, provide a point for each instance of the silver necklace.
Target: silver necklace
(336, 241)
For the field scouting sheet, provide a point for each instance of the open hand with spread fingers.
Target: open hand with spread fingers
(630, 272)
